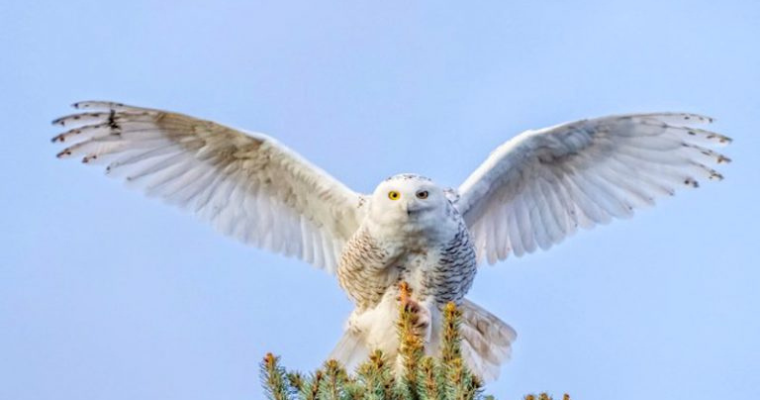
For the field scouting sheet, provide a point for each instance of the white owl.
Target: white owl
(532, 192)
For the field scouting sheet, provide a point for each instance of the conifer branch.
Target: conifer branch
(377, 377)
(545, 396)
(420, 377)
(310, 390)
(296, 381)
(273, 378)
(430, 379)
(411, 346)
(450, 338)
(335, 378)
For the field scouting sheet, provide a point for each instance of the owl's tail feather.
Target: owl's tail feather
(350, 350)
(486, 341)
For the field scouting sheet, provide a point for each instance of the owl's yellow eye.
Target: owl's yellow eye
(422, 194)
(394, 195)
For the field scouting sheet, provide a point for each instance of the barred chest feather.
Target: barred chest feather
(439, 264)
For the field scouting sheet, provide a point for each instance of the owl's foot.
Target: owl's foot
(418, 313)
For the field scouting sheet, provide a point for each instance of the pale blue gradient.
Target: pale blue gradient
(107, 295)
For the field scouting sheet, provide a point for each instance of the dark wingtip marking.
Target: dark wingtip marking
(62, 121)
(64, 153)
(716, 176)
(112, 120)
(104, 104)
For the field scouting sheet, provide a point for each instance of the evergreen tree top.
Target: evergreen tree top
(421, 377)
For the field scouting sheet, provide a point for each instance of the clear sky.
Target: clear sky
(105, 294)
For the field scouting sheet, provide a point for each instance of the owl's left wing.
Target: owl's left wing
(245, 184)
(539, 187)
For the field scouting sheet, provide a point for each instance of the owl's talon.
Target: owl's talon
(421, 322)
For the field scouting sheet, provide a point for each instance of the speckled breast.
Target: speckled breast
(368, 269)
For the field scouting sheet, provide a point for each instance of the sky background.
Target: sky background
(105, 294)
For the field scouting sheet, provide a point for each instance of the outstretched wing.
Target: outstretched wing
(246, 184)
(539, 187)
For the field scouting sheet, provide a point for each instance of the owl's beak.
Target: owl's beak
(412, 208)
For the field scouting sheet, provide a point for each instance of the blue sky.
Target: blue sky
(107, 295)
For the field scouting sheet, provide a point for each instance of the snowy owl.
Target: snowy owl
(531, 192)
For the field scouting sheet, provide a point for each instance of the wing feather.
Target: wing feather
(539, 187)
(245, 184)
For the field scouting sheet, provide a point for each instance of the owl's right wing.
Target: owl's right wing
(246, 184)
(539, 187)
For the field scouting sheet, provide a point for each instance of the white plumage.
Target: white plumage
(246, 184)
(532, 192)
(539, 187)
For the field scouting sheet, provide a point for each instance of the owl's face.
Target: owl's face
(409, 200)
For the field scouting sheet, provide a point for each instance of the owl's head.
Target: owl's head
(408, 199)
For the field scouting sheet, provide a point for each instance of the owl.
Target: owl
(532, 192)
